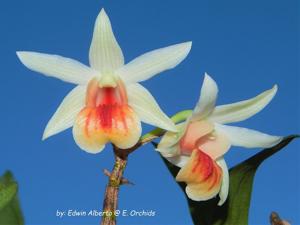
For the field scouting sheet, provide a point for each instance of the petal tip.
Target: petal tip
(222, 201)
(187, 46)
(47, 132)
(272, 92)
(208, 81)
(45, 135)
(275, 88)
(207, 77)
(184, 48)
(102, 12)
(24, 57)
(103, 15)
(21, 55)
(277, 140)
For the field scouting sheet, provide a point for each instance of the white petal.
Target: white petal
(169, 152)
(242, 110)
(225, 181)
(66, 113)
(170, 138)
(66, 69)
(149, 64)
(105, 52)
(147, 109)
(247, 138)
(169, 143)
(207, 99)
(179, 161)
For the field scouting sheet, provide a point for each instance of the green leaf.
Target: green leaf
(236, 208)
(10, 212)
(7, 193)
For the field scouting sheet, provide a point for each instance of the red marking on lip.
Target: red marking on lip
(203, 173)
(107, 117)
(203, 164)
(107, 106)
(215, 179)
(88, 120)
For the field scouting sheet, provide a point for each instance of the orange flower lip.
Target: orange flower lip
(106, 117)
(104, 105)
(202, 175)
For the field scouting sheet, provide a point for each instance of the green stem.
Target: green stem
(181, 116)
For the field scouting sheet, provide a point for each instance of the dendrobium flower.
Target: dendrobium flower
(108, 104)
(203, 139)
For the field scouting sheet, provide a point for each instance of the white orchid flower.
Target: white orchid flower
(203, 140)
(108, 104)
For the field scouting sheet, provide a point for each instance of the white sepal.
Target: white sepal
(240, 111)
(144, 104)
(66, 113)
(170, 138)
(207, 99)
(105, 53)
(66, 69)
(151, 63)
(248, 138)
(225, 181)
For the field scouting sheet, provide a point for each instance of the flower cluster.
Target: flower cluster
(108, 105)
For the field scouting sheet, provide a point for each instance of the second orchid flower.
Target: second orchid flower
(203, 140)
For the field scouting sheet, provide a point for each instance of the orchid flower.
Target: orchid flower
(108, 104)
(203, 139)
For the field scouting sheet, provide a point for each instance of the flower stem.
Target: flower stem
(112, 189)
(181, 116)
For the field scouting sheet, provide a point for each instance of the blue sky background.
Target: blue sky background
(247, 46)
